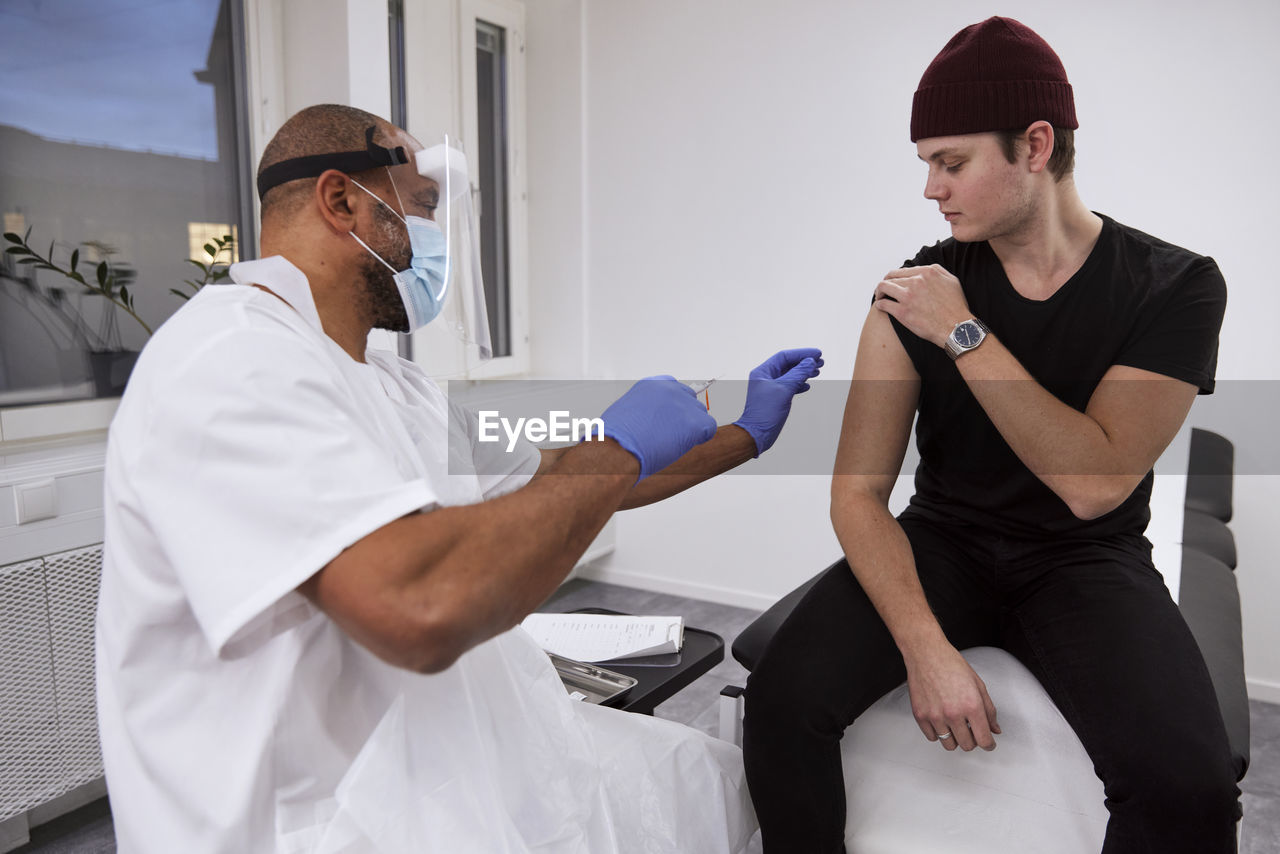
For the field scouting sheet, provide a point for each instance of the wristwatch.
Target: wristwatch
(966, 336)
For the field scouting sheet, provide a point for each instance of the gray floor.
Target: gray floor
(88, 830)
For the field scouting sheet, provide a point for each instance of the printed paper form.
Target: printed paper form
(603, 637)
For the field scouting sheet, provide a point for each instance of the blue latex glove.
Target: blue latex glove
(658, 420)
(770, 388)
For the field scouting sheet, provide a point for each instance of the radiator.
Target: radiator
(48, 720)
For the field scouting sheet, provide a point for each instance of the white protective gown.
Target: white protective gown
(248, 451)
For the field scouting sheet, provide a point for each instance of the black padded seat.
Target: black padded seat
(1206, 533)
(1210, 603)
(749, 645)
(1209, 470)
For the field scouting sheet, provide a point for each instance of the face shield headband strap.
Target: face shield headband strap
(313, 165)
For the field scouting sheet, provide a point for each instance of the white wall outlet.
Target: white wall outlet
(36, 500)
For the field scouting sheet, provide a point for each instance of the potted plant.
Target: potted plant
(109, 362)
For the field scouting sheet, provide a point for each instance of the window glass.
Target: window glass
(395, 36)
(123, 154)
(492, 126)
(399, 107)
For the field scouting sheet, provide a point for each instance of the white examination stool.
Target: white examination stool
(1035, 792)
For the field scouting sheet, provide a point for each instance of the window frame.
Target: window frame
(510, 16)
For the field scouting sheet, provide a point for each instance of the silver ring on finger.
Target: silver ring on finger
(943, 735)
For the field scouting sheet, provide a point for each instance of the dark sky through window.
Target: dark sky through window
(115, 73)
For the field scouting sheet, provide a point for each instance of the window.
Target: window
(492, 149)
(493, 136)
(124, 140)
(201, 234)
(399, 107)
(395, 38)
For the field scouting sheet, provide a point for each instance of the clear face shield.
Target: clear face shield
(463, 319)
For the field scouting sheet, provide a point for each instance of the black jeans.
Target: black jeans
(1091, 619)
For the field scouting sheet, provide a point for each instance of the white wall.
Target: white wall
(558, 228)
(740, 175)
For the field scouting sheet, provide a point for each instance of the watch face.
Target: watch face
(967, 334)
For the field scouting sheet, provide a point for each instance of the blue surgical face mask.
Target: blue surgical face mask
(423, 287)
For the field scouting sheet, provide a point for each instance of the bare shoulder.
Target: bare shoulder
(881, 355)
(878, 412)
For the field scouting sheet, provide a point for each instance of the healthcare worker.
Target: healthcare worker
(312, 568)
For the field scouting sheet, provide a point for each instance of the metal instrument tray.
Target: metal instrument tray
(597, 685)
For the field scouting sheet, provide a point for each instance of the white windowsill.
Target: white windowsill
(25, 424)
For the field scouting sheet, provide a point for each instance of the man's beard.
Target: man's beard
(380, 298)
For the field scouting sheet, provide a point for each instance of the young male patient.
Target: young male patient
(1051, 354)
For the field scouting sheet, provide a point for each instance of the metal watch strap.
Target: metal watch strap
(953, 349)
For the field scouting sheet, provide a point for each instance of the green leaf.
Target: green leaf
(196, 263)
(178, 293)
(124, 293)
(102, 274)
(30, 261)
(12, 238)
(75, 258)
(17, 250)
(209, 248)
(79, 278)
(50, 255)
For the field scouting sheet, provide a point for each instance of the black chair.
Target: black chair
(1209, 598)
(1210, 470)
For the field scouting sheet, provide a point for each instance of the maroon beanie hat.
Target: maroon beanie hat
(996, 75)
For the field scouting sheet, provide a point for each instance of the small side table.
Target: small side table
(701, 651)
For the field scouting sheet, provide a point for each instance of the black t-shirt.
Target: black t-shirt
(1136, 301)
